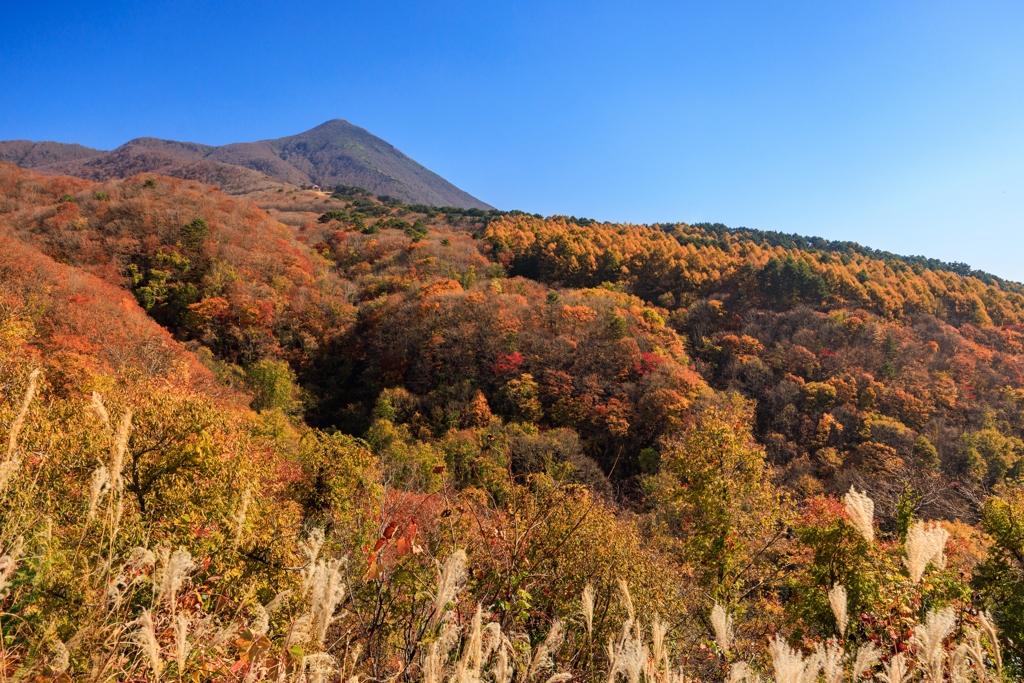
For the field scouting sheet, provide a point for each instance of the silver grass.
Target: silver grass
(468, 668)
(895, 671)
(862, 513)
(587, 601)
(659, 653)
(613, 660)
(99, 485)
(868, 655)
(239, 518)
(145, 638)
(120, 448)
(789, 665)
(19, 420)
(8, 469)
(928, 638)
(502, 673)
(559, 678)
(298, 631)
(278, 600)
(101, 410)
(992, 634)
(542, 655)
(9, 564)
(141, 558)
(311, 545)
(740, 672)
(450, 579)
(491, 640)
(837, 600)
(61, 658)
(925, 543)
(261, 620)
(174, 570)
(326, 591)
(967, 652)
(721, 622)
(832, 659)
(319, 666)
(627, 599)
(181, 645)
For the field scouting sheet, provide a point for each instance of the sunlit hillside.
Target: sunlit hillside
(327, 435)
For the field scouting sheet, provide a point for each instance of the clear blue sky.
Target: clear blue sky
(896, 124)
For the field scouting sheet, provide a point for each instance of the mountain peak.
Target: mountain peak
(336, 152)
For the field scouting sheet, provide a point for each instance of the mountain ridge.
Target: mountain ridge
(334, 153)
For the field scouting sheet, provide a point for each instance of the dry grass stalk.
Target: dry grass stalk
(740, 672)
(542, 655)
(181, 645)
(120, 447)
(721, 622)
(9, 563)
(627, 599)
(175, 568)
(925, 544)
(145, 638)
(867, 656)
(862, 513)
(790, 666)
(928, 638)
(326, 590)
(837, 600)
(243, 509)
(832, 660)
(19, 421)
(587, 601)
(101, 410)
(319, 666)
(98, 487)
(896, 670)
(659, 653)
(450, 580)
(992, 634)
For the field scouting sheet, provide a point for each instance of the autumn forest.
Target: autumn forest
(322, 434)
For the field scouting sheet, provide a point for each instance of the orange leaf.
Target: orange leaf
(373, 572)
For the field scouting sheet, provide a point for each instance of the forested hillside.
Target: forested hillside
(289, 435)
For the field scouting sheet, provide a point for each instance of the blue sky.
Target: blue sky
(899, 125)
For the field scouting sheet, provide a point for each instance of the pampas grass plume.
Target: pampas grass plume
(19, 421)
(587, 601)
(101, 410)
(862, 513)
(176, 567)
(837, 600)
(896, 670)
(145, 637)
(120, 447)
(925, 544)
(721, 622)
(627, 599)
(928, 638)
(989, 627)
(449, 581)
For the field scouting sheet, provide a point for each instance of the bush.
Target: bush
(272, 384)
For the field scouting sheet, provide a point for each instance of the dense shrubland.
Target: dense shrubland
(346, 437)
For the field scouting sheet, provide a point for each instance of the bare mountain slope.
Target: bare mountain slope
(333, 153)
(28, 154)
